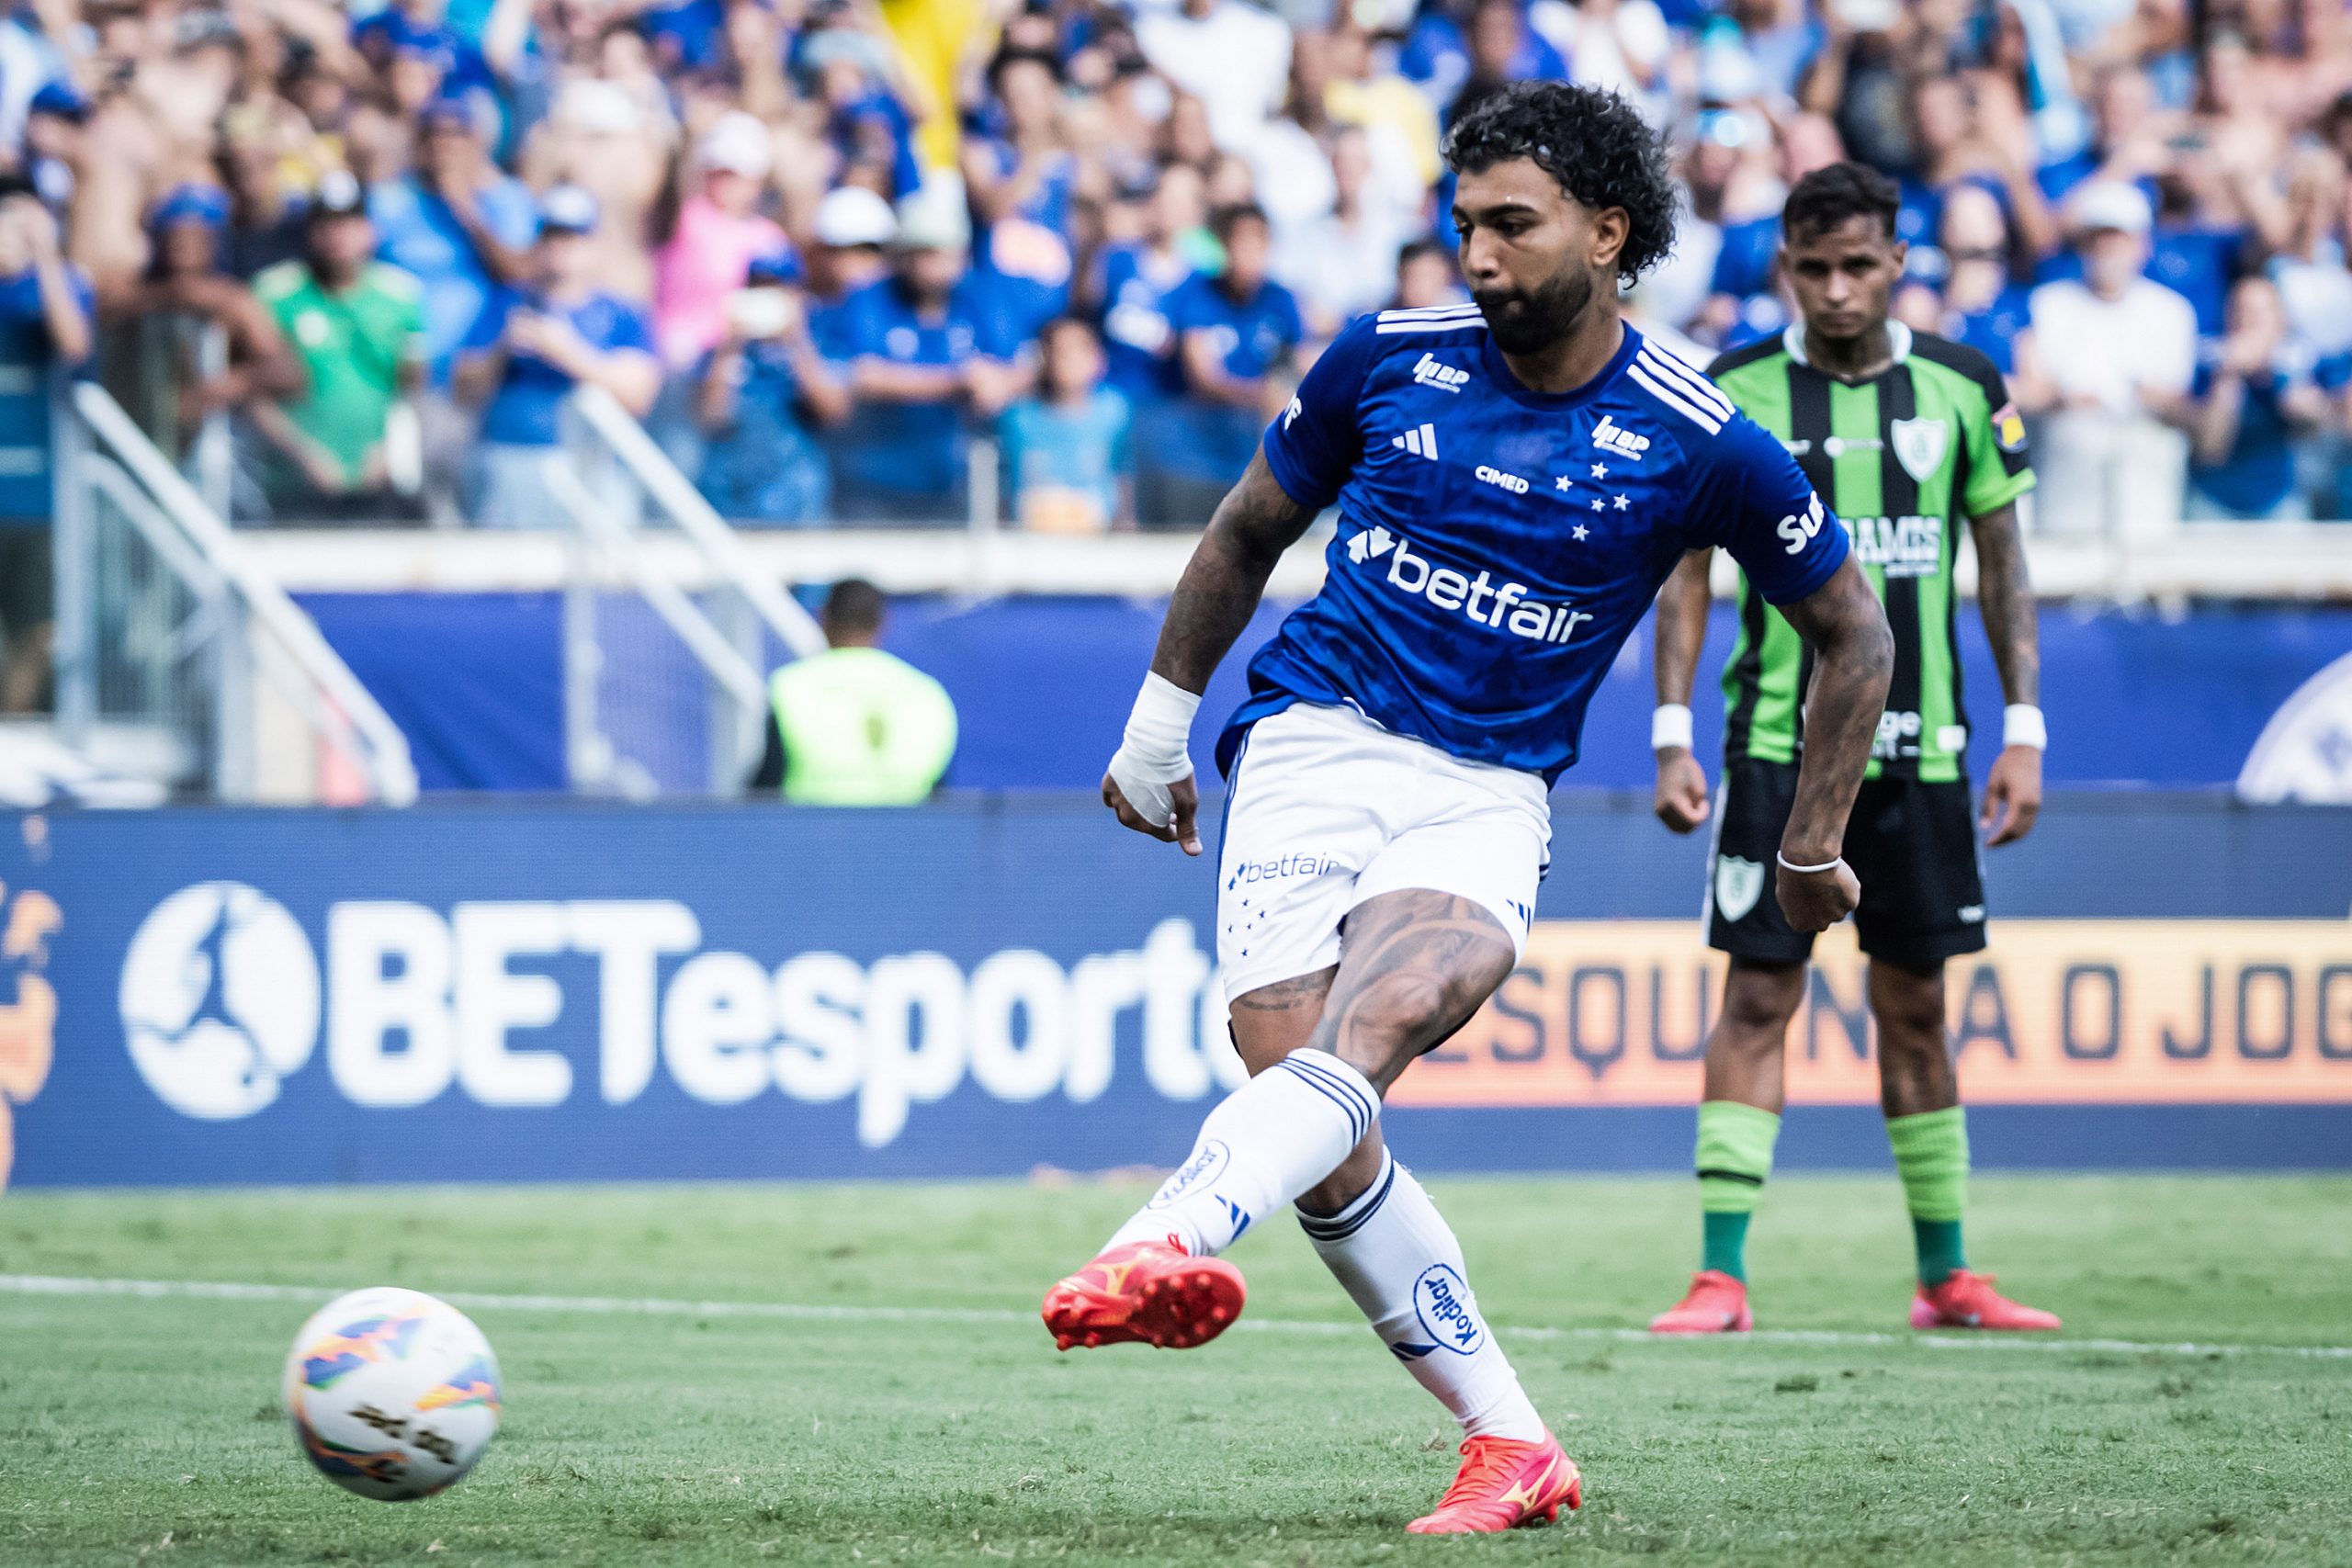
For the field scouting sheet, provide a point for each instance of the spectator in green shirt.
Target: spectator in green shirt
(343, 450)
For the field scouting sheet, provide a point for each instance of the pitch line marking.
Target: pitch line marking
(816, 1312)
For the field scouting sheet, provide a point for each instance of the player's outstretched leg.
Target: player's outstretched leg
(1159, 1280)
(1398, 1261)
(1931, 1153)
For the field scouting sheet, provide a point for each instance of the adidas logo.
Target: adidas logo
(1611, 437)
(1420, 441)
(1433, 372)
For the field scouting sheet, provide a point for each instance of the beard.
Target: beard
(1530, 320)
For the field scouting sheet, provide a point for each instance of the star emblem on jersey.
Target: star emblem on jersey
(1564, 483)
(1920, 444)
(1623, 501)
(1581, 533)
(1596, 504)
(1420, 441)
(1601, 470)
(1372, 543)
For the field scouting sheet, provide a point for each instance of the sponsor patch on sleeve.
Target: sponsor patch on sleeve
(2008, 428)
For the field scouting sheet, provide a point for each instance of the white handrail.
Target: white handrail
(385, 756)
(697, 519)
(678, 611)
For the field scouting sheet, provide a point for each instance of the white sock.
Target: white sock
(1397, 1257)
(1269, 1141)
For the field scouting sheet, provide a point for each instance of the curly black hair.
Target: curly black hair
(1837, 192)
(1593, 142)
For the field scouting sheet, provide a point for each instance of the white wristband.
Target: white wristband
(1670, 726)
(1159, 729)
(2022, 725)
(1788, 864)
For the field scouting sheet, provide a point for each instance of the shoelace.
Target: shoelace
(1486, 1461)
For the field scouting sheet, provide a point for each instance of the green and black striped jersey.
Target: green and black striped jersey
(1903, 459)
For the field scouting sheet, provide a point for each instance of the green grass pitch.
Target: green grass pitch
(144, 1429)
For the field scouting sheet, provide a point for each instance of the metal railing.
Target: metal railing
(628, 621)
(177, 659)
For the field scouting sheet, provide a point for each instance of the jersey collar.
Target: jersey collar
(1898, 338)
(1498, 374)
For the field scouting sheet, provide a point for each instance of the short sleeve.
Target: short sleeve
(1312, 445)
(1749, 497)
(632, 330)
(2000, 469)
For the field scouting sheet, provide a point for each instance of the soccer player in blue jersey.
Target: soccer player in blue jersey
(1514, 479)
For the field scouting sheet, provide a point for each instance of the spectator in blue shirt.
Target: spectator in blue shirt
(45, 314)
(760, 396)
(457, 224)
(923, 348)
(1235, 333)
(1982, 304)
(528, 352)
(1134, 279)
(1066, 449)
(2255, 395)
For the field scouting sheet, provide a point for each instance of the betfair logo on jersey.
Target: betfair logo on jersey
(1900, 546)
(1798, 528)
(1479, 600)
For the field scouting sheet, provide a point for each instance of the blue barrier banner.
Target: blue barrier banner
(2133, 696)
(567, 992)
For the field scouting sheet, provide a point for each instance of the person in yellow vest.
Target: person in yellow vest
(854, 725)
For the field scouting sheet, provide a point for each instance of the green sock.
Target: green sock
(1931, 1156)
(1734, 1155)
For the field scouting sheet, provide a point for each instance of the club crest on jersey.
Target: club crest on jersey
(1738, 884)
(1611, 437)
(1431, 371)
(1920, 444)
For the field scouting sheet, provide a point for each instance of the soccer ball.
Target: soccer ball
(393, 1394)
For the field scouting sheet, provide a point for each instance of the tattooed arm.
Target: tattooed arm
(1150, 785)
(2005, 596)
(1226, 575)
(1853, 654)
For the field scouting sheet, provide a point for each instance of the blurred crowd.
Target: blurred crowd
(819, 245)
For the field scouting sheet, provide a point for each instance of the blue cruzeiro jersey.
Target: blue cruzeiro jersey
(1497, 545)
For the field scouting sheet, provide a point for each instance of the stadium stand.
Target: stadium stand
(1036, 274)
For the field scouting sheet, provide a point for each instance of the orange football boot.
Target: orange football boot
(1151, 1291)
(1504, 1483)
(1969, 1301)
(1717, 1304)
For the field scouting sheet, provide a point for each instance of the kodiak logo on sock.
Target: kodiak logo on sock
(1208, 1163)
(1448, 1311)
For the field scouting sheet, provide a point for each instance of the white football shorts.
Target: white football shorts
(1326, 810)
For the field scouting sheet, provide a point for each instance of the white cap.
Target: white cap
(2111, 204)
(739, 143)
(853, 215)
(934, 219)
